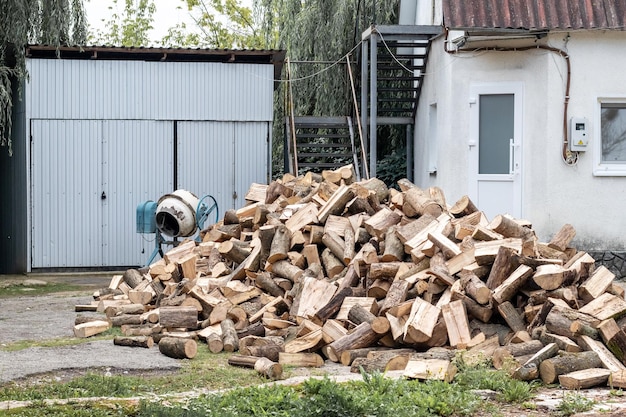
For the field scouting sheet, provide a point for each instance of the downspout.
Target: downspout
(569, 158)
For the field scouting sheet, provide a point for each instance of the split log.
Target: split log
(608, 360)
(336, 203)
(333, 306)
(549, 277)
(335, 244)
(396, 295)
(529, 370)
(561, 240)
(564, 343)
(91, 328)
(511, 285)
(306, 342)
(586, 378)
(511, 316)
(596, 285)
(430, 369)
(421, 323)
(135, 341)
(506, 261)
(457, 324)
(551, 368)
(606, 306)
(379, 223)
(178, 348)
(300, 359)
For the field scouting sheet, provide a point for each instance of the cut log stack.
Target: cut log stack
(321, 267)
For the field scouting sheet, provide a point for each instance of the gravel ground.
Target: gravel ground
(52, 316)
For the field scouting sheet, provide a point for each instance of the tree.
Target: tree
(315, 34)
(221, 24)
(51, 22)
(130, 26)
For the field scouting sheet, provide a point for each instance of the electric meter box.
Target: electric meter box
(578, 134)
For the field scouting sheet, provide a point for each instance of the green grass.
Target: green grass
(15, 290)
(574, 403)
(59, 342)
(238, 392)
(206, 371)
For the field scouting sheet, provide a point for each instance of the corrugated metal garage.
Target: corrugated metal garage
(103, 129)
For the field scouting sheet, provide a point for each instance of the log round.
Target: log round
(178, 348)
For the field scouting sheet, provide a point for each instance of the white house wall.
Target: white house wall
(553, 192)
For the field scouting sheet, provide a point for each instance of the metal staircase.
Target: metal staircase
(321, 143)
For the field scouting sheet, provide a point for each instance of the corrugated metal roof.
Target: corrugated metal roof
(534, 14)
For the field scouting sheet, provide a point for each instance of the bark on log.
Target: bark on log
(358, 315)
(132, 277)
(280, 245)
(229, 336)
(178, 348)
(505, 263)
(362, 336)
(263, 366)
(264, 281)
(134, 341)
(550, 369)
(501, 355)
(179, 317)
(333, 306)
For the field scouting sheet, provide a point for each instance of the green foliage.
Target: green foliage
(19, 289)
(316, 34)
(39, 409)
(484, 377)
(128, 27)
(51, 22)
(221, 24)
(392, 167)
(574, 403)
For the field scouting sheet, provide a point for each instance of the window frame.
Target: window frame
(600, 168)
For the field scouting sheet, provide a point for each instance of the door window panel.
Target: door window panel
(496, 129)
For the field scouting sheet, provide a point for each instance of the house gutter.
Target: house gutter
(569, 158)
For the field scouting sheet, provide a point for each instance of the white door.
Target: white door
(65, 189)
(495, 148)
(138, 165)
(88, 176)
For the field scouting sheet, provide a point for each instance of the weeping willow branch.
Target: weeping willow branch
(51, 22)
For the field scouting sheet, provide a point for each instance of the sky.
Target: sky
(168, 13)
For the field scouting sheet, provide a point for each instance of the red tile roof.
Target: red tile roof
(535, 14)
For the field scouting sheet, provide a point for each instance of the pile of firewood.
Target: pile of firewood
(321, 267)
